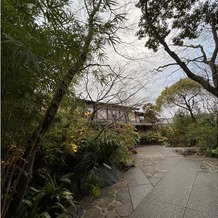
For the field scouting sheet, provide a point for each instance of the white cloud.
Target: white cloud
(140, 63)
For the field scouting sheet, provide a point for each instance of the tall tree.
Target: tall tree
(180, 25)
(34, 59)
(56, 48)
(181, 94)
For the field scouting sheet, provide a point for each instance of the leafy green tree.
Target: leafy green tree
(32, 66)
(181, 123)
(45, 48)
(181, 94)
(150, 112)
(33, 62)
(177, 25)
(204, 133)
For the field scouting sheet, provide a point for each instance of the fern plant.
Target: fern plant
(51, 200)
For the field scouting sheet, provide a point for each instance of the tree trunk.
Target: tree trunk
(189, 108)
(192, 116)
(33, 142)
(205, 84)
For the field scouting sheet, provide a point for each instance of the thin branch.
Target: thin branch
(198, 59)
(179, 105)
(204, 56)
(165, 66)
(183, 66)
(215, 37)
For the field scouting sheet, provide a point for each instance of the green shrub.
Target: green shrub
(126, 134)
(184, 132)
(154, 137)
(205, 133)
(151, 136)
(214, 152)
(51, 200)
(94, 152)
(105, 152)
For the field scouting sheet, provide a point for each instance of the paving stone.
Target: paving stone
(105, 191)
(93, 212)
(168, 163)
(106, 201)
(138, 193)
(96, 202)
(124, 209)
(104, 210)
(136, 177)
(110, 207)
(112, 191)
(147, 163)
(189, 213)
(163, 171)
(150, 170)
(111, 214)
(209, 166)
(115, 203)
(151, 208)
(119, 185)
(154, 181)
(204, 195)
(123, 195)
(159, 174)
(148, 174)
(176, 186)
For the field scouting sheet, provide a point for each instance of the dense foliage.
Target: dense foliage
(33, 62)
(183, 132)
(50, 155)
(45, 48)
(180, 28)
(51, 200)
(182, 94)
(195, 122)
(87, 146)
(81, 160)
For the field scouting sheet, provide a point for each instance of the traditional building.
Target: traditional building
(108, 112)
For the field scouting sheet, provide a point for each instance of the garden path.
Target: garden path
(163, 184)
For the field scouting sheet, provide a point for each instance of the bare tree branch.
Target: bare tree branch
(215, 37)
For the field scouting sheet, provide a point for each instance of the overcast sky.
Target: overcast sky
(139, 62)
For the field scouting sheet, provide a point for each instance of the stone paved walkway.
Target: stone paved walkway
(163, 184)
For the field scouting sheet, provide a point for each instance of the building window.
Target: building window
(141, 118)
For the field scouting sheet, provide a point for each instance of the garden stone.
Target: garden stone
(125, 209)
(93, 212)
(112, 214)
(123, 195)
(106, 201)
